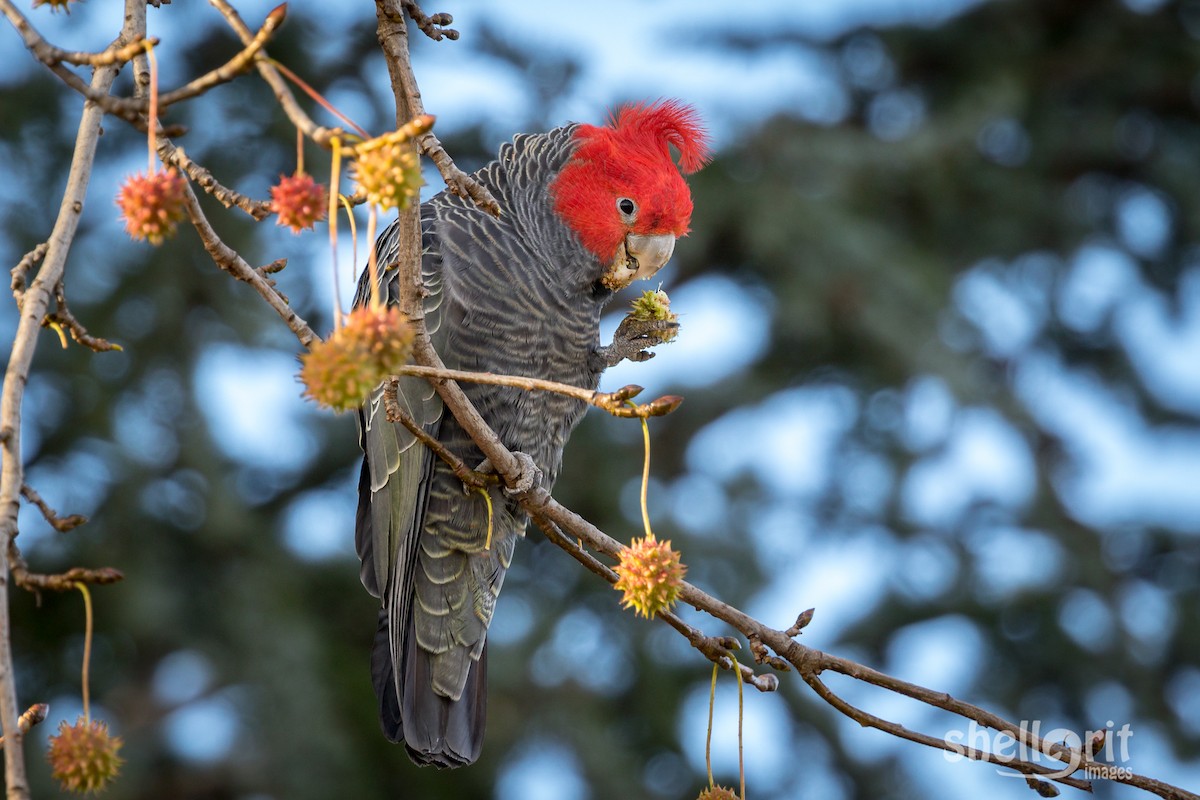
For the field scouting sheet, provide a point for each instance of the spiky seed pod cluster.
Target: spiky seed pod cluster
(83, 757)
(152, 204)
(373, 344)
(55, 5)
(650, 576)
(299, 201)
(717, 793)
(655, 305)
(389, 172)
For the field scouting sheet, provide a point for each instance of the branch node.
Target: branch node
(763, 656)
(21, 270)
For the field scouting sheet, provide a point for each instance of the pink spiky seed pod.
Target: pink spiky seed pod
(389, 174)
(83, 757)
(341, 372)
(152, 204)
(299, 201)
(650, 576)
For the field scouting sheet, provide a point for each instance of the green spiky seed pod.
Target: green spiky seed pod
(389, 174)
(655, 305)
(83, 757)
(650, 576)
(340, 372)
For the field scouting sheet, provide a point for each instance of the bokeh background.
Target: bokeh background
(941, 355)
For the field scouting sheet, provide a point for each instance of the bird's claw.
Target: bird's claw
(529, 476)
(631, 339)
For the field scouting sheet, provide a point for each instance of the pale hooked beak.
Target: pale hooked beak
(638, 258)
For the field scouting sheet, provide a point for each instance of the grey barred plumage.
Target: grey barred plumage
(521, 295)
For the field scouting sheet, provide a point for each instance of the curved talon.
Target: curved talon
(528, 477)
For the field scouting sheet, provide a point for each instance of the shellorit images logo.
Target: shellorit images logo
(1107, 749)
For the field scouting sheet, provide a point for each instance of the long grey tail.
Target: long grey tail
(435, 729)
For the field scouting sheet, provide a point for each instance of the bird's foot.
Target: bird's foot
(632, 337)
(529, 477)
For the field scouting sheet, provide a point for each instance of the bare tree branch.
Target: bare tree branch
(899, 731)
(395, 413)
(35, 302)
(48, 54)
(132, 109)
(393, 38)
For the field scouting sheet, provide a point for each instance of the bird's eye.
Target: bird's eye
(627, 207)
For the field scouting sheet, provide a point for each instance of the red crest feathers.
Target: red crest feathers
(630, 157)
(667, 121)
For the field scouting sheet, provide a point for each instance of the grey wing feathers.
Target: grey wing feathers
(395, 464)
(428, 699)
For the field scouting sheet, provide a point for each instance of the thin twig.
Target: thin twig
(60, 524)
(456, 180)
(283, 93)
(174, 156)
(58, 582)
(433, 26)
(899, 731)
(228, 260)
(232, 68)
(62, 318)
(615, 403)
(50, 55)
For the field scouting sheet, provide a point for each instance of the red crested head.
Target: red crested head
(622, 179)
